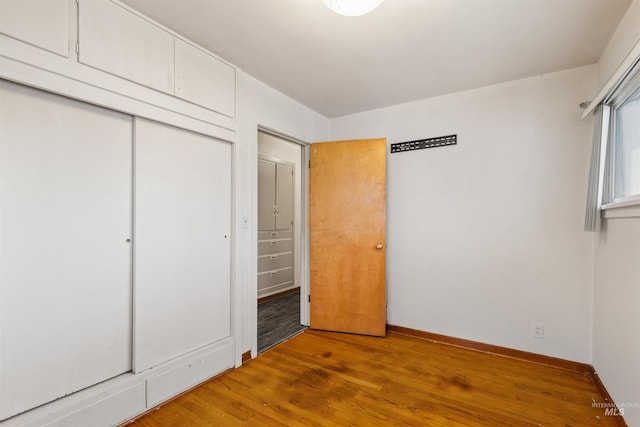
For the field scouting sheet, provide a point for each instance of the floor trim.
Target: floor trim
(569, 365)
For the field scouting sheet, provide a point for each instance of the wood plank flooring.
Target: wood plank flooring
(322, 378)
(278, 319)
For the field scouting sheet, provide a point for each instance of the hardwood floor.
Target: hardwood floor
(322, 378)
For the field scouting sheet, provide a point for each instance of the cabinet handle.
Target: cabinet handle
(274, 242)
(273, 273)
(274, 256)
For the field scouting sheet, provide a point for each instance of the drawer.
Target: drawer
(275, 261)
(271, 278)
(274, 234)
(274, 246)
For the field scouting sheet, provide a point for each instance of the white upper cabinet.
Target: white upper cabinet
(44, 24)
(115, 40)
(204, 79)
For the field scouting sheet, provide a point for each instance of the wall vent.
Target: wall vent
(420, 144)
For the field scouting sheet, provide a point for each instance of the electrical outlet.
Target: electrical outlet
(538, 330)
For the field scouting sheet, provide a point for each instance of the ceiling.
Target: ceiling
(403, 51)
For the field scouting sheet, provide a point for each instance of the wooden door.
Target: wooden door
(347, 217)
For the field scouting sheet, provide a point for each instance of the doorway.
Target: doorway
(280, 229)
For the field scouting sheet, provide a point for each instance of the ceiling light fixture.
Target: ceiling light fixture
(352, 7)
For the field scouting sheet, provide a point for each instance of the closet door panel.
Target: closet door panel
(44, 24)
(65, 264)
(117, 41)
(204, 79)
(266, 194)
(284, 219)
(182, 242)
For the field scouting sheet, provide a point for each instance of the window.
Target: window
(614, 177)
(624, 131)
(626, 147)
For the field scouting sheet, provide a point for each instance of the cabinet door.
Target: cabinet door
(266, 194)
(284, 196)
(205, 80)
(65, 263)
(182, 270)
(117, 41)
(44, 24)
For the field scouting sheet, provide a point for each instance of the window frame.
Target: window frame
(628, 86)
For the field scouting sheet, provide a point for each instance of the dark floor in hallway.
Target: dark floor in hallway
(278, 319)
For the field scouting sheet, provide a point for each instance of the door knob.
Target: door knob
(379, 247)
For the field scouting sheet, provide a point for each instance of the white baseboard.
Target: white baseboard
(276, 289)
(119, 399)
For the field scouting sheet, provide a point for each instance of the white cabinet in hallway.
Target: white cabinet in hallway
(275, 196)
(275, 227)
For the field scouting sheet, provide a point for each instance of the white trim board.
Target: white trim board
(102, 404)
(616, 78)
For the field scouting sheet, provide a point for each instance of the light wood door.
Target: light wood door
(347, 217)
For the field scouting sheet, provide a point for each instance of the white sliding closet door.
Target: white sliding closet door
(65, 264)
(182, 249)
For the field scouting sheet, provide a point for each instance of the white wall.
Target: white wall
(616, 317)
(616, 312)
(260, 105)
(486, 237)
(623, 40)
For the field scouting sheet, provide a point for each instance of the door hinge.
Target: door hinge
(77, 47)
(309, 164)
(309, 297)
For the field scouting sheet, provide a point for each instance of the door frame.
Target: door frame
(304, 232)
